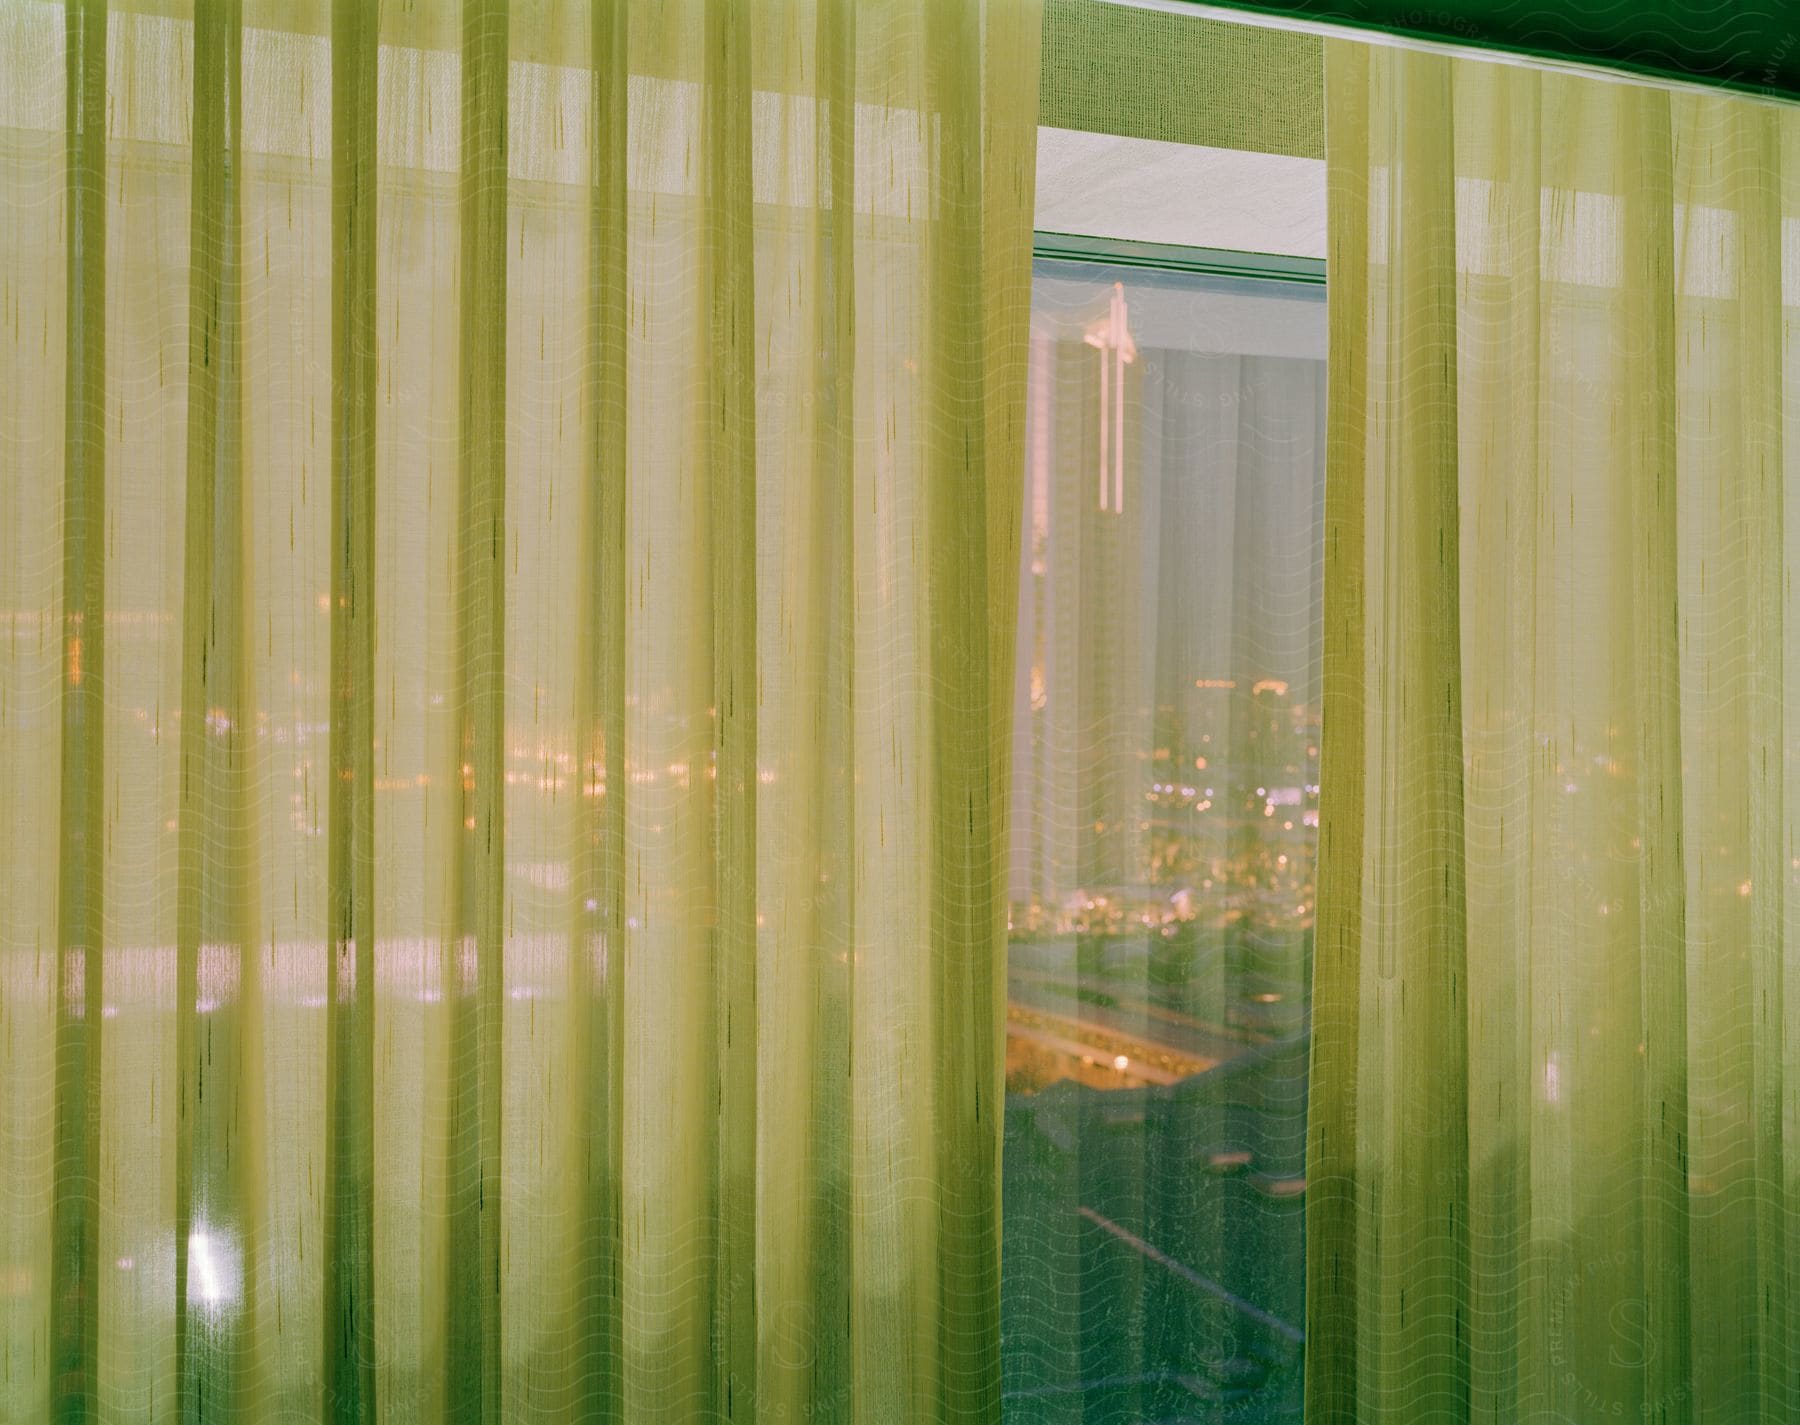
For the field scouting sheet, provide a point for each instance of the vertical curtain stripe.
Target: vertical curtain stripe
(1397, 900)
(962, 870)
(475, 978)
(349, 1198)
(549, 787)
(1009, 58)
(81, 951)
(1502, 520)
(1008, 209)
(1332, 1255)
(1649, 605)
(596, 959)
(1561, 398)
(1418, 1247)
(218, 1004)
(1756, 134)
(730, 268)
(830, 807)
(1735, 1029)
(805, 868)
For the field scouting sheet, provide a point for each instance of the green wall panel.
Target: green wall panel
(1151, 74)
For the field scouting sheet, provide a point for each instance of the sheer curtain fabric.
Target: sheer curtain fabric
(1554, 1156)
(506, 550)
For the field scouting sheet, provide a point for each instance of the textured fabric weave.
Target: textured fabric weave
(507, 549)
(1554, 1164)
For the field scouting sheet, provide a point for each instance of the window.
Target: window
(1164, 818)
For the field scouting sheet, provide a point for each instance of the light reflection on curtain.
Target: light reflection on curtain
(1554, 1167)
(506, 555)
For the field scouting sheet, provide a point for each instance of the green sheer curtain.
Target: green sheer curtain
(507, 545)
(1555, 1132)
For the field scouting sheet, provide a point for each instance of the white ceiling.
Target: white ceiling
(1102, 185)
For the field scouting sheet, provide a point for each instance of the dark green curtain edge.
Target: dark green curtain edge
(1754, 50)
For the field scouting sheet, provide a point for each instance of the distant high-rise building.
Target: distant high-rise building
(1168, 644)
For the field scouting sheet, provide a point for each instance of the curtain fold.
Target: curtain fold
(1553, 1160)
(508, 533)
(347, 1156)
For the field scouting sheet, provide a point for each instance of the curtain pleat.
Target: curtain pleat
(218, 991)
(347, 1227)
(1552, 1161)
(474, 944)
(511, 928)
(75, 1226)
(594, 1036)
(1332, 1275)
(730, 584)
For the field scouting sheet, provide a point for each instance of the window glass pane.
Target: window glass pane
(1164, 820)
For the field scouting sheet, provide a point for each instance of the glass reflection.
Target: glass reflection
(1164, 820)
